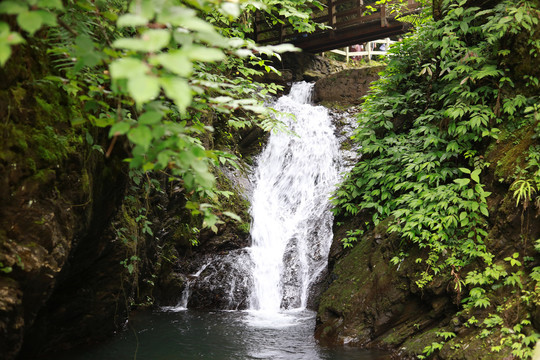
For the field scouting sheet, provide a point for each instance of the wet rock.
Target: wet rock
(223, 284)
(373, 301)
(171, 288)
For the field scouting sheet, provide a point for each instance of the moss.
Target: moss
(509, 154)
(45, 106)
(396, 336)
(245, 228)
(85, 182)
(351, 274)
(335, 105)
(185, 234)
(44, 176)
(417, 344)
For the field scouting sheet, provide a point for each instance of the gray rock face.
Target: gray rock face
(345, 87)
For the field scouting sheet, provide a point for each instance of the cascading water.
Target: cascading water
(292, 223)
(291, 234)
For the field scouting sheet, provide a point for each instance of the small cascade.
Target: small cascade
(187, 288)
(292, 222)
(184, 299)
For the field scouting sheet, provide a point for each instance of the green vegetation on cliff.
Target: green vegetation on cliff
(454, 115)
(85, 85)
(159, 73)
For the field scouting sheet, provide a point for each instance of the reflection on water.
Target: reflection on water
(186, 335)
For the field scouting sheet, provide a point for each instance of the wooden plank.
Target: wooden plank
(360, 7)
(341, 2)
(322, 19)
(344, 32)
(349, 37)
(331, 13)
(347, 13)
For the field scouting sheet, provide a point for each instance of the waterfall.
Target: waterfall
(292, 223)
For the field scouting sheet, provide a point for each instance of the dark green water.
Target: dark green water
(186, 335)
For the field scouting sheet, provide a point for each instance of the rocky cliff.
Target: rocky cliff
(83, 240)
(57, 198)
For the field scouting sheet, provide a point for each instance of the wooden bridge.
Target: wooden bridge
(348, 22)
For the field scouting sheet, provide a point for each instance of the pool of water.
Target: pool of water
(224, 335)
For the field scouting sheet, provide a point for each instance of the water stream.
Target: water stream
(292, 224)
(291, 236)
(217, 335)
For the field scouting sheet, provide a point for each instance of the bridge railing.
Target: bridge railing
(337, 15)
(370, 46)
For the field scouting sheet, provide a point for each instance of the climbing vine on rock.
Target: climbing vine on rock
(448, 91)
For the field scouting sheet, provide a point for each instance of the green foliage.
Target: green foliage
(5, 269)
(130, 264)
(160, 73)
(524, 189)
(436, 346)
(352, 236)
(446, 92)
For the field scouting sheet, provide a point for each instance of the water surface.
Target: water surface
(223, 335)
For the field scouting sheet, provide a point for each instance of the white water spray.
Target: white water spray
(292, 222)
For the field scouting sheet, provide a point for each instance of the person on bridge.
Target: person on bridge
(357, 48)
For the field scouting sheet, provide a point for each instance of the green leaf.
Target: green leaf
(201, 53)
(140, 135)
(151, 41)
(465, 170)
(281, 48)
(475, 175)
(14, 38)
(192, 23)
(51, 4)
(12, 7)
(127, 67)
(143, 88)
(30, 21)
(5, 53)
(175, 61)
(131, 20)
(177, 15)
(231, 9)
(86, 53)
(178, 90)
(484, 210)
(47, 17)
(103, 121)
(120, 128)
(150, 118)
(519, 16)
(462, 182)
(232, 215)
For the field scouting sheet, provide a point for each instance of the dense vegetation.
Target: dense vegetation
(455, 87)
(86, 84)
(156, 72)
